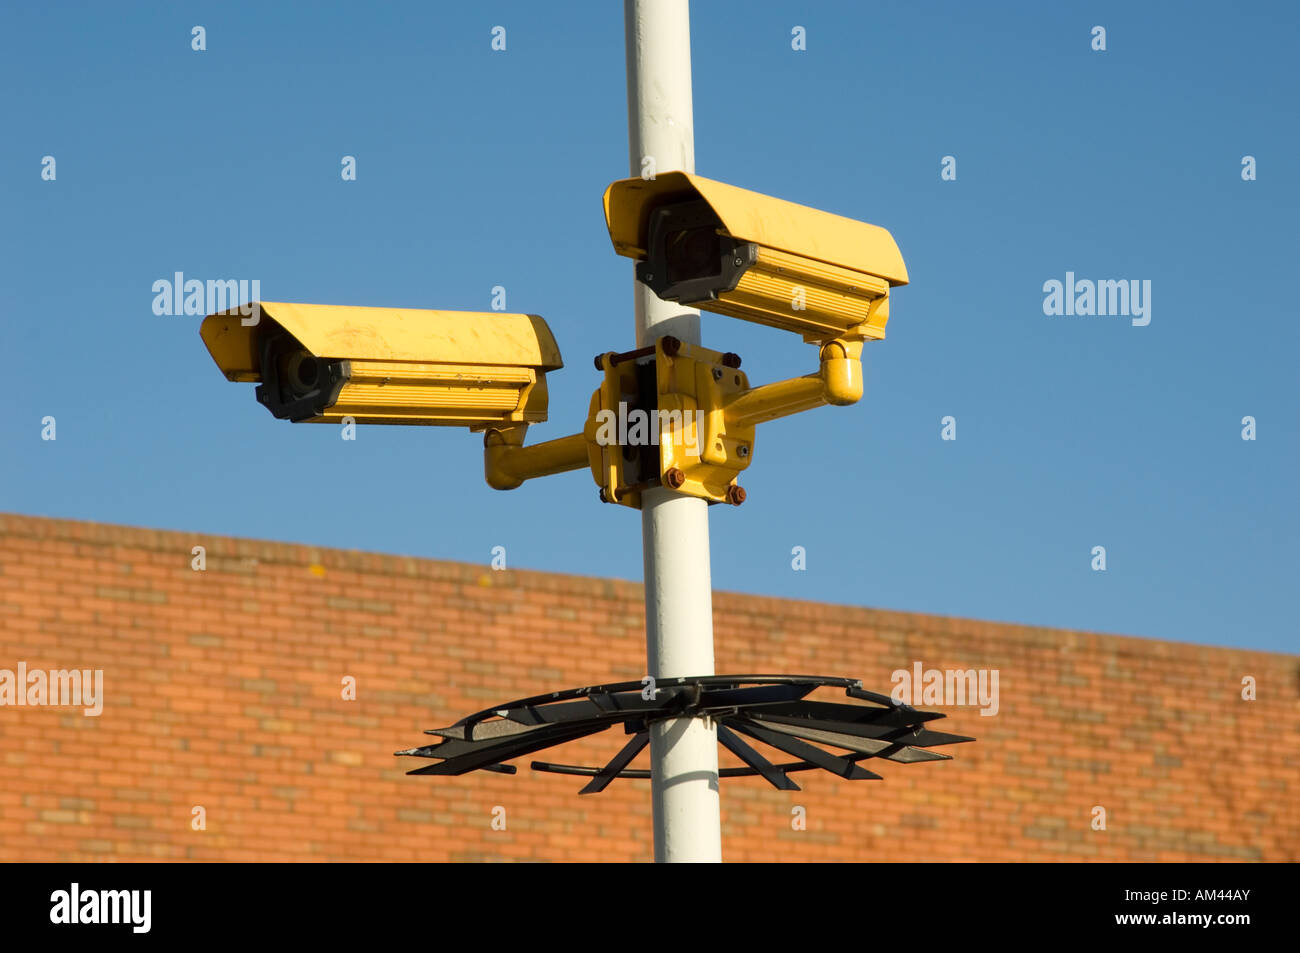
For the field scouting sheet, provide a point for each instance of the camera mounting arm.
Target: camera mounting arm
(507, 463)
(837, 382)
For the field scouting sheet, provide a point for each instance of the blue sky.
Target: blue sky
(478, 168)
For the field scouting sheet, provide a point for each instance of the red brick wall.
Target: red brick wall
(223, 690)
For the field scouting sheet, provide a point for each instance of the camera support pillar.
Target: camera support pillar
(674, 528)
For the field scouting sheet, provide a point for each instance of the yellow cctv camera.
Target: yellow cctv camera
(319, 363)
(723, 249)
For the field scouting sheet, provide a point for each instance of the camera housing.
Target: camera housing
(719, 248)
(322, 363)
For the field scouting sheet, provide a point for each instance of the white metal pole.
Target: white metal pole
(674, 529)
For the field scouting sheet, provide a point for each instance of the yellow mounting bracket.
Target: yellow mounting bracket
(685, 421)
(702, 417)
(662, 424)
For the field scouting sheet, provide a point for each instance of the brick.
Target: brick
(223, 691)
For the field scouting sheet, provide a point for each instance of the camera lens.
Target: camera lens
(304, 373)
(692, 253)
(307, 372)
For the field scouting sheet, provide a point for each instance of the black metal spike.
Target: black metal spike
(620, 761)
(801, 749)
(775, 776)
